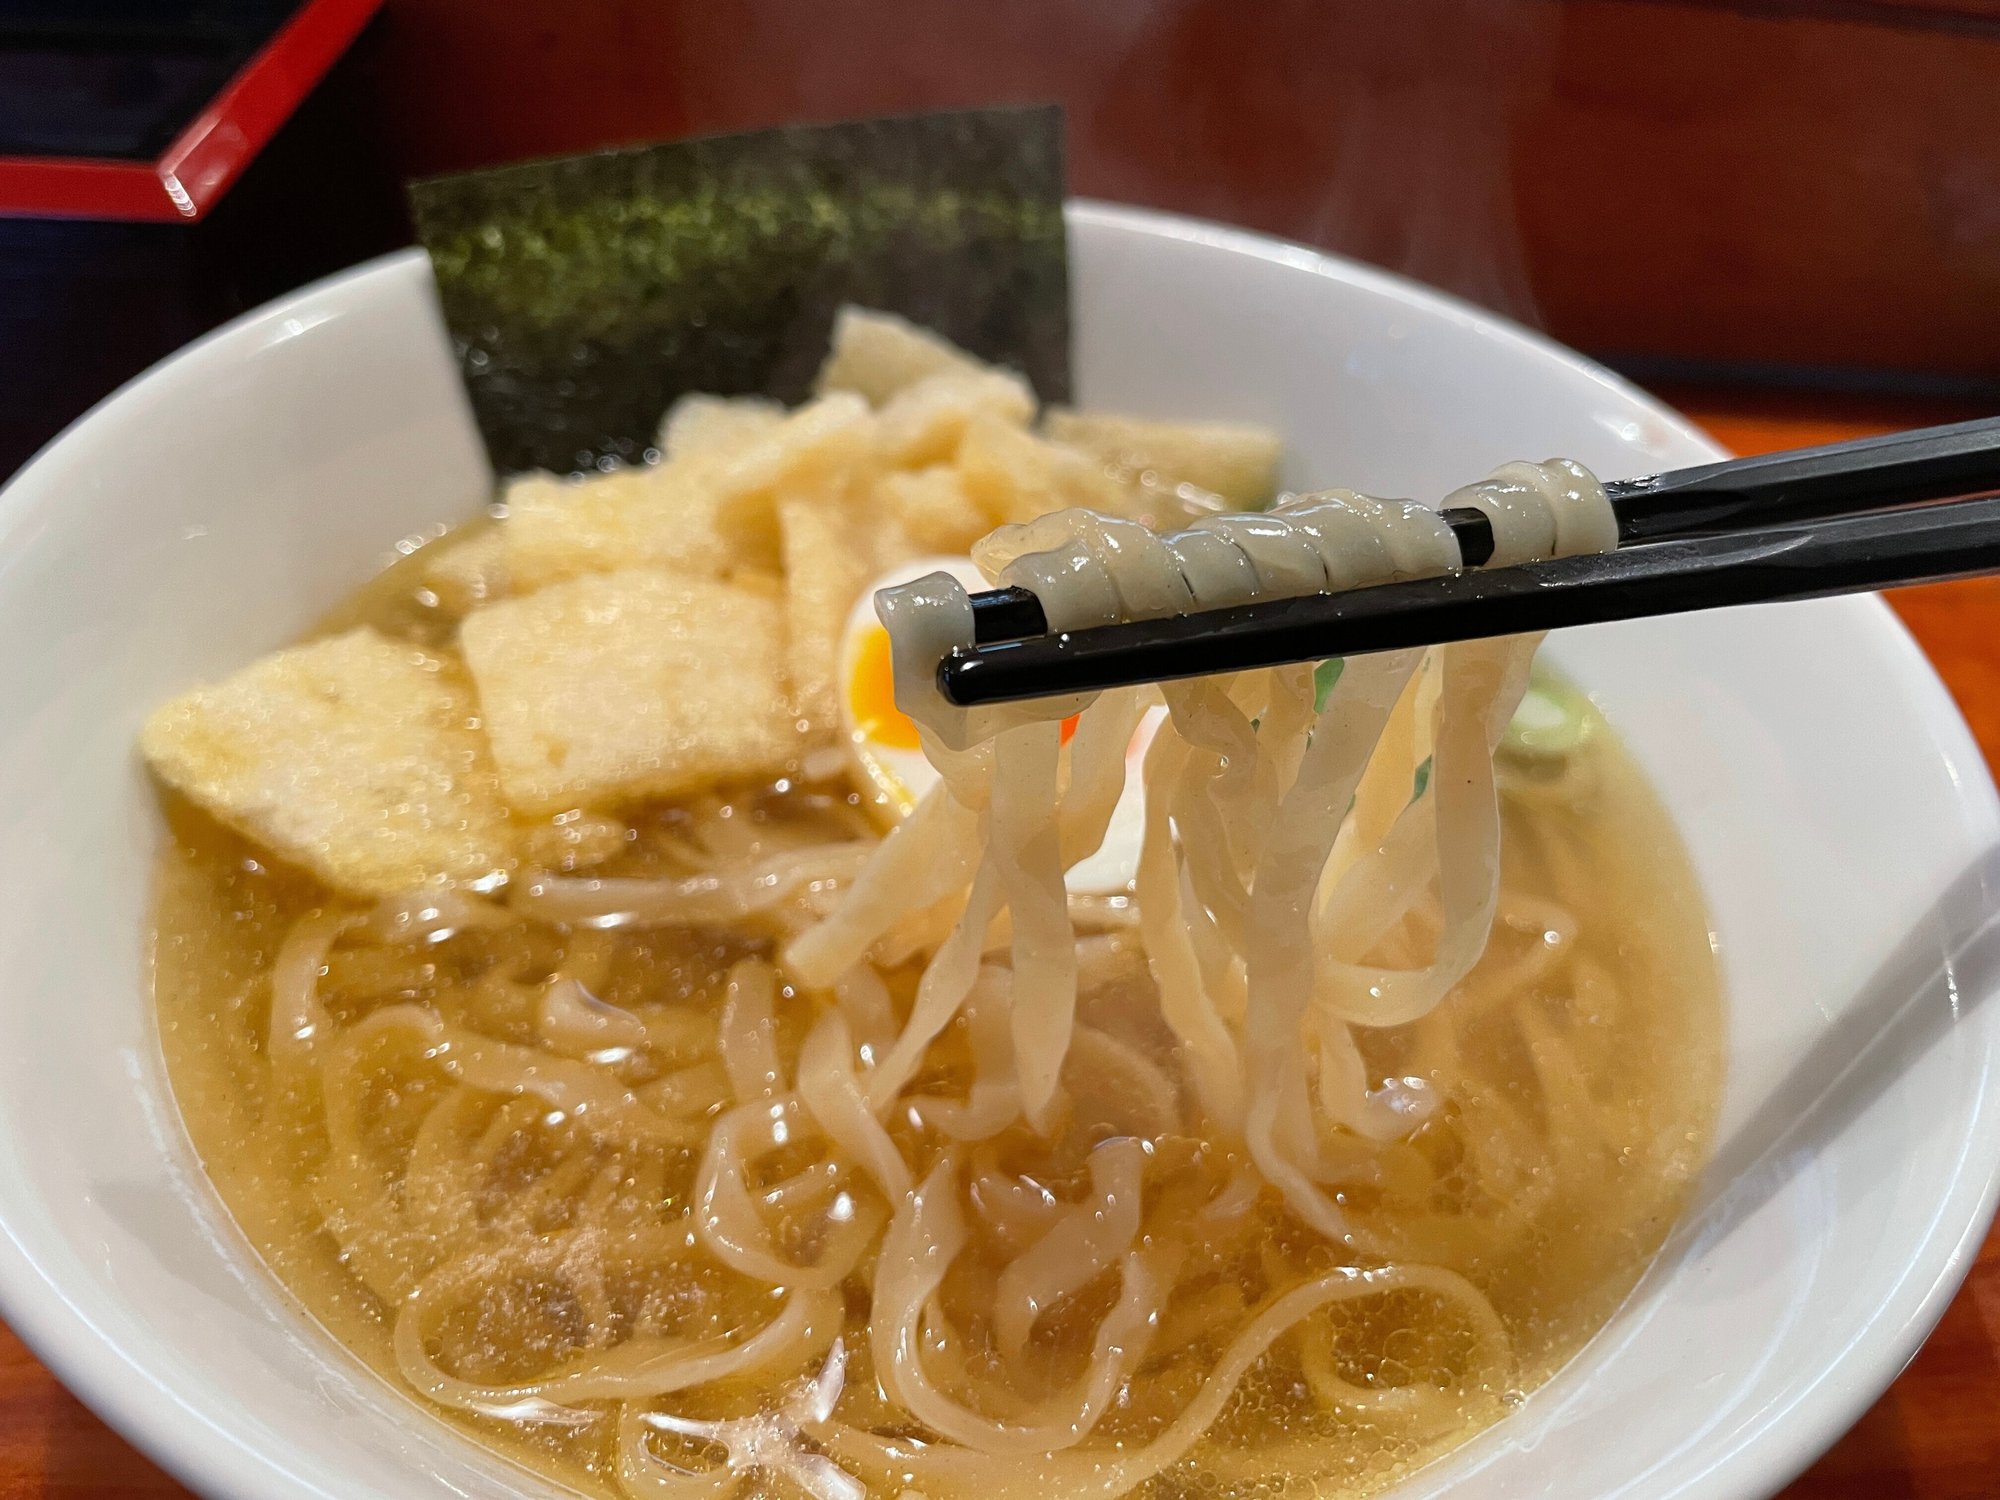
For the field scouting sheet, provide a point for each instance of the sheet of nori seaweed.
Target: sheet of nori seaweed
(584, 294)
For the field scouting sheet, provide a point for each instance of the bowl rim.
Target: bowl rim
(218, 1460)
(1785, 1446)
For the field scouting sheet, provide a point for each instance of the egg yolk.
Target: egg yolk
(871, 695)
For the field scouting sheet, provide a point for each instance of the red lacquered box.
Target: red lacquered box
(164, 167)
(206, 154)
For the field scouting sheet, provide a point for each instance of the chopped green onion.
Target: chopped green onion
(1553, 721)
(1325, 675)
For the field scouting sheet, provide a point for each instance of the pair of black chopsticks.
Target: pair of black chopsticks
(1800, 525)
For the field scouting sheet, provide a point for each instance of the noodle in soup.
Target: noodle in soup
(722, 1146)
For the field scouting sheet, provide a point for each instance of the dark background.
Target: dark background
(1776, 195)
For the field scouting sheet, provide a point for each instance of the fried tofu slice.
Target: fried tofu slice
(640, 516)
(833, 552)
(830, 556)
(924, 422)
(467, 572)
(1234, 460)
(355, 757)
(722, 454)
(823, 452)
(1014, 476)
(876, 354)
(710, 427)
(640, 683)
(928, 510)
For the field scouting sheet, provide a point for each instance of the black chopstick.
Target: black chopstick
(1844, 555)
(1805, 484)
(1811, 484)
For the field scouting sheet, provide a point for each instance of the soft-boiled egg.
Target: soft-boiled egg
(889, 758)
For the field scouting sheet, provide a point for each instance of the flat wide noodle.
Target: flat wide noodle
(796, 1163)
(1249, 787)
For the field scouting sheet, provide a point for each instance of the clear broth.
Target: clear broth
(1596, 1059)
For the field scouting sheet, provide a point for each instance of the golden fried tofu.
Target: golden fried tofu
(930, 510)
(833, 550)
(821, 452)
(640, 516)
(640, 683)
(698, 426)
(467, 571)
(923, 422)
(830, 556)
(355, 757)
(1013, 475)
(877, 354)
(1234, 460)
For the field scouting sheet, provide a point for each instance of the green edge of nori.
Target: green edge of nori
(584, 294)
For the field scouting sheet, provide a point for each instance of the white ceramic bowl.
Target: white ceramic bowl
(1839, 816)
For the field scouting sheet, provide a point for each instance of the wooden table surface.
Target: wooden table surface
(1935, 1435)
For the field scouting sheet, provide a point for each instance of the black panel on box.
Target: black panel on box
(87, 303)
(119, 78)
